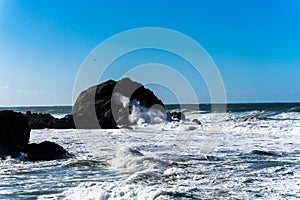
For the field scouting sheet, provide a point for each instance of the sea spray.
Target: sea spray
(137, 113)
(141, 115)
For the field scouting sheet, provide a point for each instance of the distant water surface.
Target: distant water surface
(236, 107)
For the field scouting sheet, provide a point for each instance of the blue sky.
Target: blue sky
(255, 44)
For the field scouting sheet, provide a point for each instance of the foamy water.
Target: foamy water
(244, 155)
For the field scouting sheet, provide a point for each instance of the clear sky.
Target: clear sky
(255, 44)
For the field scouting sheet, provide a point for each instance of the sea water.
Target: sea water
(250, 152)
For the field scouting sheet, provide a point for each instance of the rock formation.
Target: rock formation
(14, 139)
(14, 133)
(41, 121)
(107, 105)
(45, 151)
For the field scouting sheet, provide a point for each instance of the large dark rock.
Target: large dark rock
(104, 105)
(14, 133)
(45, 151)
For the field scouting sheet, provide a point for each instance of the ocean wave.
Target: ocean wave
(264, 153)
(130, 160)
(269, 164)
(86, 163)
(294, 109)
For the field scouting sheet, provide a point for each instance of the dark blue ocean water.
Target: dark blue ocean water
(236, 107)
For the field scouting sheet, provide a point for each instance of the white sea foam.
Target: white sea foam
(138, 114)
(141, 115)
(59, 116)
(113, 190)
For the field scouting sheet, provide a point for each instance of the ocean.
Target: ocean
(250, 152)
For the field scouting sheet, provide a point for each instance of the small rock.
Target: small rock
(45, 151)
(177, 116)
(196, 121)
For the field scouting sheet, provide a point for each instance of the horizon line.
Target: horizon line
(65, 105)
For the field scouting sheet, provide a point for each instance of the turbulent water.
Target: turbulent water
(250, 152)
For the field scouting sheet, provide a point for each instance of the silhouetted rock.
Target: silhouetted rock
(107, 105)
(41, 121)
(45, 151)
(14, 133)
(64, 123)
